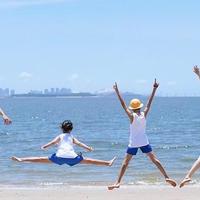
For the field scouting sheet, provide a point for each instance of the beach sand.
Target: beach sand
(101, 193)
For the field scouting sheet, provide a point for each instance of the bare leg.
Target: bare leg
(153, 158)
(32, 159)
(121, 173)
(189, 175)
(98, 162)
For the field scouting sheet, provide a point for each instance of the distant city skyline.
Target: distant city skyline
(59, 91)
(88, 45)
(4, 92)
(7, 92)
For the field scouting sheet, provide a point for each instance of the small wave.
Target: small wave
(174, 147)
(4, 133)
(50, 184)
(145, 183)
(34, 117)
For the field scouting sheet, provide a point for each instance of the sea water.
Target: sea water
(173, 128)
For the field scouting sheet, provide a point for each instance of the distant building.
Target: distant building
(4, 92)
(12, 92)
(1, 92)
(52, 91)
(64, 91)
(46, 91)
(57, 91)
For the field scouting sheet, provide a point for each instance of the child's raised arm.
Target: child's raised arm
(148, 106)
(6, 119)
(196, 70)
(128, 112)
(77, 142)
(53, 142)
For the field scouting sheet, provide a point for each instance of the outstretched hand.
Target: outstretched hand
(7, 120)
(115, 87)
(196, 70)
(90, 149)
(155, 85)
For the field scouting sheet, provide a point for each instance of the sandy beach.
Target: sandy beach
(99, 193)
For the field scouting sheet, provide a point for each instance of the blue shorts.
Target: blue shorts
(144, 149)
(69, 161)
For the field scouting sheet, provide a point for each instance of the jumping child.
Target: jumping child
(138, 139)
(196, 165)
(65, 153)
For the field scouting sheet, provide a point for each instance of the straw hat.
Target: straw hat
(135, 104)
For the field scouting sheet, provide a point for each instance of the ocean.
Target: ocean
(173, 128)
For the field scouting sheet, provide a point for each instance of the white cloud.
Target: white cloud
(105, 91)
(19, 3)
(73, 77)
(25, 76)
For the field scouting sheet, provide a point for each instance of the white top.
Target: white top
(65, 146)
(137, 137)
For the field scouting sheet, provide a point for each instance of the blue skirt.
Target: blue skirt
(68, 161)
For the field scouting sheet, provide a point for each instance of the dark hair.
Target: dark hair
(137, 110)
(67, 126)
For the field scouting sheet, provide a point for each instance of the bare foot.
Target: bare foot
(16, 159)
(171, 182)
(111, 187)
(184, 181)
(112, 161)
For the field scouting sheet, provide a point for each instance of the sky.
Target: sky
(87, 45)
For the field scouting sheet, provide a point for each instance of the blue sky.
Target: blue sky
(87, 45)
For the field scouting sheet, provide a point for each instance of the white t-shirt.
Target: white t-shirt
(65, 146)
(137, 137)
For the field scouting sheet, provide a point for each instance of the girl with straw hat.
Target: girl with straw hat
(138, 139)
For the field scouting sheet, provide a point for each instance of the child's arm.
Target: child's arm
(147, 108)
(6, 119)
(196, 70)
(77, 142)
(128, 112)
(53, 142)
